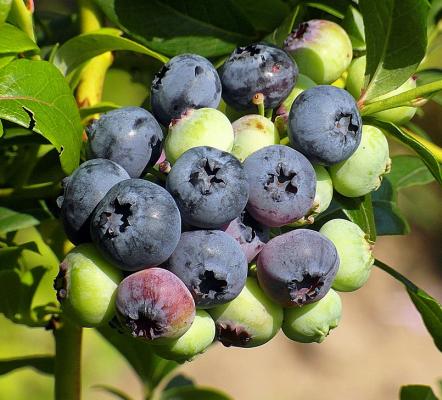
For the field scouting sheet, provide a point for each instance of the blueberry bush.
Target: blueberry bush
(234, 201)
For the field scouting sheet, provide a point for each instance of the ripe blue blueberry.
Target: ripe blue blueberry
(83, 190)
(325, 124)
(212, 266)
(282, 185)
(130, 136)
(186, 81)
(136, 225)
(257, 68)
(297, 267)
(209, 186)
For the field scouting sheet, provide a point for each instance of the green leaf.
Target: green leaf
(337, 8)
(360, 211)
(5, 6)
(97, 109)
(179, 381)
(396, 39)
(193, 393)
(417, 392)
(6, 59)
(150, 368)
(43, 363)
(119, 394)
(428, 307)
(13, 40)
(428, 76)
(424, 153)
(407, 171)
(261, 15)
(353, 23)
(11, 220)
(34, 94)
(278, 36)
(210, 28)
(9, 256)
(82, 48)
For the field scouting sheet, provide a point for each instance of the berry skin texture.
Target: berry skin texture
(212, 266)
(362, 172)
(86, 286)
(209, 186)
(130, 136)
(325, 124)
(195, 341)
(257, 68)
(355, 83)
(321, 48)
(202, 127)
(186, 81)
(297, 267)
(83, 190)
(153, 304)
(250, 234)
(355, 254)
(252, 132)
(250, 320)
(313, 322)
(136, 225)
(281, 185)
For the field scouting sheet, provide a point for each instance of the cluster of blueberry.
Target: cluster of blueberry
(213, 242)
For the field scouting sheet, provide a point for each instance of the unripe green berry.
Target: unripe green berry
(362, 172)
(200, 127)
(355, 254)
(313, 322)
(195, 341)
(252, 132)
(86, 286)
(249, 320)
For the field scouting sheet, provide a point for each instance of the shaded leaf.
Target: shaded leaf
(13, 40)
(263, 15)
(11, 220)
(119, 394)
(34, 94)
(396, 39)
(337, 8)
(82, 48)
(407, 170)
(41, 363)
(278, 36)
(5, 6)
(97, 109)
(207, 27)
(428, 307)
(353, 24)
(179, 381)
(194, 393)
(9, 256)
(431, 75)
(417, 392)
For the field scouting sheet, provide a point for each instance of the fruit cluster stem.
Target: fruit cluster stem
(68, 339)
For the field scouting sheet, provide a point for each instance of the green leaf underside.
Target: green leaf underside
(13, 40)
(396, 38)
(42, 363)
(11, 220)
(193, 393)
(426, 155)
(206, 27)
(407, 171)
(428, 307)
(82, 48)
(417, 392)
(35, 95)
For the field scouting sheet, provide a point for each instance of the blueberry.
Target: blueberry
(257, 68)
(325, 124)
(83, 190)
(203, 127)
(212, 266)
(297, 267)
(209, 186)
(136, 225)
(252, 132)
(321, 48)
(86, 285)
(250, 320)
(281, 185)
(363, 171)
(129, 136)
(355, 253)
(195, 341)
(153, 304)
(313, 322)
(186, 81)
(250, 234)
